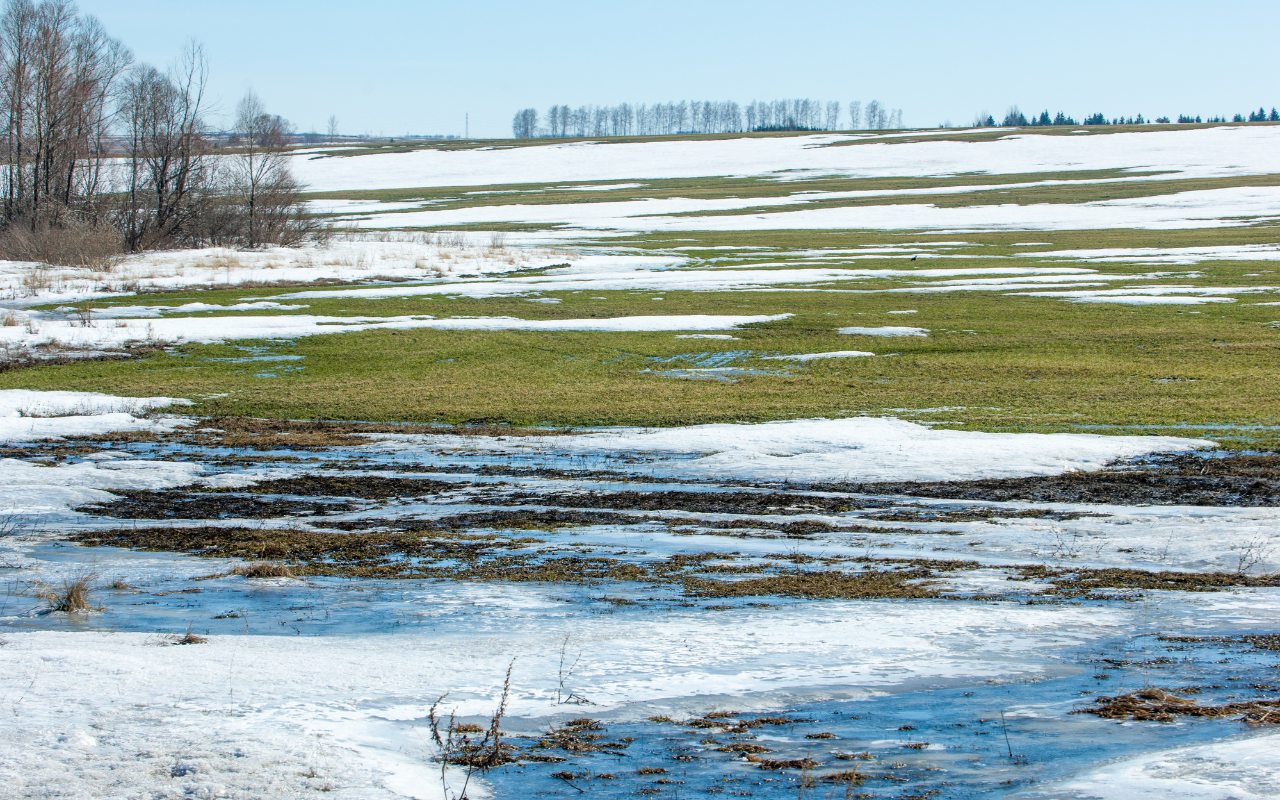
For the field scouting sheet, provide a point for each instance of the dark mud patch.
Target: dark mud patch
(1178, 480)
(701, 502)
(1086, 582)
(286, 498)
(364, 487)
(180, 505)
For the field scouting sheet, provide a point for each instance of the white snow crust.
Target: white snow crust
(812, 356)
(1235, 769)
(27, 416)
(857, 449)
(886, 330)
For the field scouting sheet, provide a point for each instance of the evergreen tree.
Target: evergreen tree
(1014, 118)
(1095, 119)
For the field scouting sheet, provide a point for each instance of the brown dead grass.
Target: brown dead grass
(72, 595)
(1158, 705)
(264, 569)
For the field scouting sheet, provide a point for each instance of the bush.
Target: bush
(72, 596)
(73, 244)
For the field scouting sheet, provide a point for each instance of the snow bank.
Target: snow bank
(1167, 255)
(352, 260)
(887, 330)
(224, 328)
(704, 280)
(1156, 295)
(812, 356)
(858, 449)
(1236, 769)
(1209, 208)
(27, 416)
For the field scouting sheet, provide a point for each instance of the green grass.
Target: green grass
(1029, 364)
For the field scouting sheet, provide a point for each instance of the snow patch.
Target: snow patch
(887, 330)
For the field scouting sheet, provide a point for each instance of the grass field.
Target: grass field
(993, 362)
(996, 358)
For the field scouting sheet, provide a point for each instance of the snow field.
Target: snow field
(1207, 152)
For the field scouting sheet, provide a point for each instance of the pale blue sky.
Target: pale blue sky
(391, 67)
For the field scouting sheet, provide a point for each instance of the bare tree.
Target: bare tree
(525, 124)
(855, 114)
(260, 172)
(58, 76)
(333, 126)
(874, 115)
(168, 167)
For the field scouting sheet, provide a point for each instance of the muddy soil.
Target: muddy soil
(702, 502)
(196, 506)
(1180, 480)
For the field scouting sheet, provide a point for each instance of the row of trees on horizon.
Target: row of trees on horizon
(103, 155)
(685, 117)
(1014, 118)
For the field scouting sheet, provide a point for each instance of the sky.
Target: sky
(387, 67)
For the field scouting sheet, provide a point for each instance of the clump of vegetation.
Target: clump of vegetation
(72, 595)
(190, 637)
(457, 747)
(1158, 705)
(264, 569)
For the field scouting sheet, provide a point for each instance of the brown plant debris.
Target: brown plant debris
(1265, 641)
(583, 735)
(72, 595)
(1077, 582)
(1158, 705)
(794, 763)
(438, 551)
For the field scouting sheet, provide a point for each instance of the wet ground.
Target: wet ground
(1160, 571)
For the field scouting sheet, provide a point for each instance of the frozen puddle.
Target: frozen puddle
(719, 609)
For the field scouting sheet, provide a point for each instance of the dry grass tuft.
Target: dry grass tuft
(120, 585)
(72, 596)
(264, 569)
(189, 637)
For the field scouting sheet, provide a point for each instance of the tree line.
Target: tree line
(1014, 118)
(686, 117)
(102, 155)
